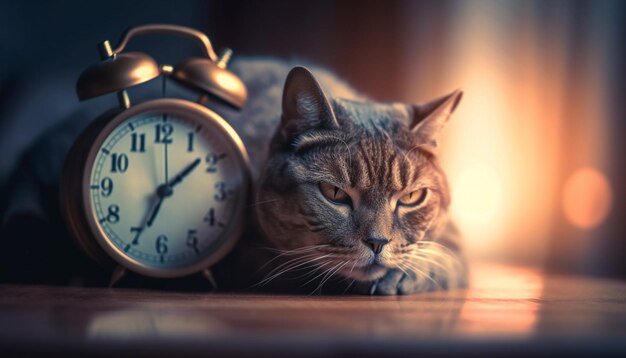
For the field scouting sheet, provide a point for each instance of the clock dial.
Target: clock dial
(164, 189)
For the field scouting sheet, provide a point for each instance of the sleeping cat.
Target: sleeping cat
(348, 191)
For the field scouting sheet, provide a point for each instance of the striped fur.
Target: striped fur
(374, 153)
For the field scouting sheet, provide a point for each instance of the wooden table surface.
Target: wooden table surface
(506, 310)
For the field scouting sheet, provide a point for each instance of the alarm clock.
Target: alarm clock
(159, 187)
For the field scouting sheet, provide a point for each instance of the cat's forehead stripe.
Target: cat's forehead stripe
(378, 164)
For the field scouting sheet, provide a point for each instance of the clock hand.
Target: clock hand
(188, 169)
(163, 191)
(166, 170)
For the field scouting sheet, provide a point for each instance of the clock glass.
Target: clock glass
(165, 190)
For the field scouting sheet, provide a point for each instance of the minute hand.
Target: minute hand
(180, 176)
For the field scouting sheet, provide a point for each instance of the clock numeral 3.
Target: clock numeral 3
(163, 133)
(220, 191)
(138, 142)
(192, 240)
(161, 244)
(119, 163)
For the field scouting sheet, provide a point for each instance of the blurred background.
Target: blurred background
(533, 153)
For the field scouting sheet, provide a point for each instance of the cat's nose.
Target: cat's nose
(376, 244)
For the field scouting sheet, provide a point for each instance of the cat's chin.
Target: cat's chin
(369, 272)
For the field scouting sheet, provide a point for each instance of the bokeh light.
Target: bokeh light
(586, 198)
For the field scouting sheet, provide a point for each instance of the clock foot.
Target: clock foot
(117, 275)
(209, 276)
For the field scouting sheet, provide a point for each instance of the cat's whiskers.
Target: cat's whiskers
(296, 251)
(284, 269)
(443, 252)
(348, 287)
(353, 265)
(321, 274)
(329, 275)
(439, 258)
(419, 273)
(295, 260)
(313, 270)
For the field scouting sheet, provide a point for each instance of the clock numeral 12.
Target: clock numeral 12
(163, 133)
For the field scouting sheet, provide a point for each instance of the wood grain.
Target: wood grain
(505, 308)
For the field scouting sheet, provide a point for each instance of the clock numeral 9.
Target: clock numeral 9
(107, 186)
(138, 142)
(114, 214)
(163, 133)
(119, 163)
(192, 240)
(161, 244)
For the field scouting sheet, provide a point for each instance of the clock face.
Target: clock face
(166, 190)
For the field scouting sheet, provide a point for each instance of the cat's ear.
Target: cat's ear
(305, 107)
(429, 118)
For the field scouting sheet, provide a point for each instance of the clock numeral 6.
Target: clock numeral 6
(192, 240)
(119, 163)
(161, 244)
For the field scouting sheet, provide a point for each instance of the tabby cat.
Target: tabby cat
(351, 189)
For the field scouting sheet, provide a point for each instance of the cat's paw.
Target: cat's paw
(395, 282)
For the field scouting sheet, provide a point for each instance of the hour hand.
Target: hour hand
(180, 176)
(154, 212)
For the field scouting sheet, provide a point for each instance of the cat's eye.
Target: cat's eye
(414, 198)
(334, 194)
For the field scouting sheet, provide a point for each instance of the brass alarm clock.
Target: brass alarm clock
(159, 187)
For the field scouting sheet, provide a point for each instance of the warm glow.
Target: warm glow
(586, 198)
(478, 192)
(502, 299)
(513, 136)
